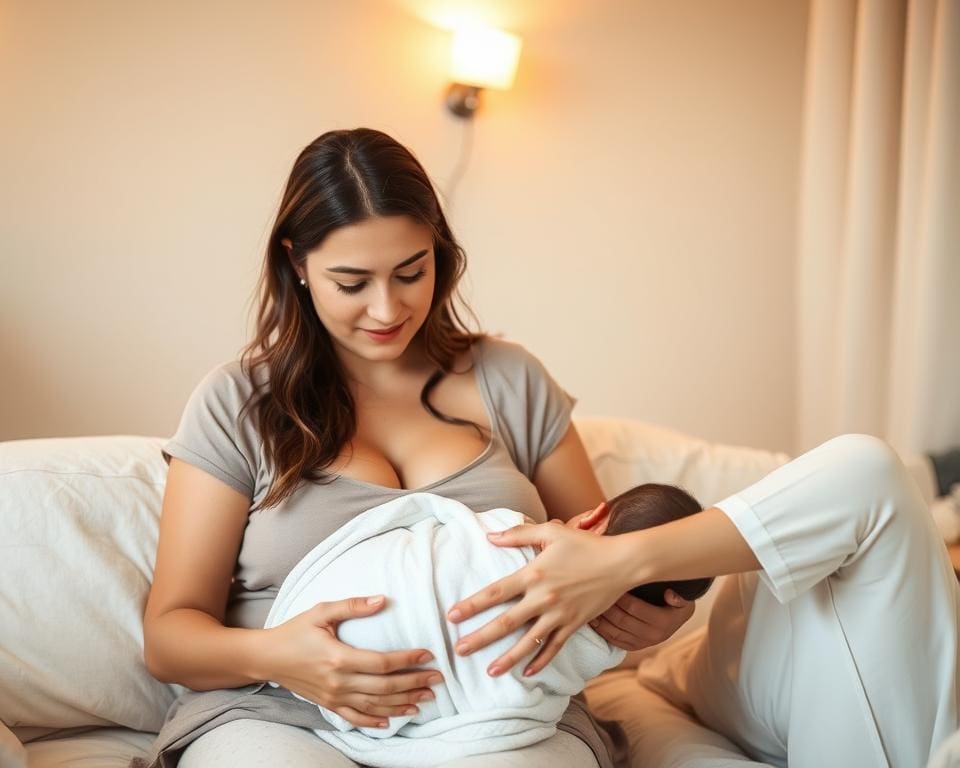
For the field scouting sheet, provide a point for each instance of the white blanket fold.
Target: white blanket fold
(426, 552)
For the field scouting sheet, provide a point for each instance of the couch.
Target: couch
(78, 534)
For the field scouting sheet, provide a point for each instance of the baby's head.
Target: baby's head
(648, 505)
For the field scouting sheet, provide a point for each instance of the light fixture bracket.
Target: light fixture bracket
(463, 100)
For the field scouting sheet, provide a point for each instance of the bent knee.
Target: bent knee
(869, 457)
(874, 468)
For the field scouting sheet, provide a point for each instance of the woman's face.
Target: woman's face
(372, 285)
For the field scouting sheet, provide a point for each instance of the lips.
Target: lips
(388, 334)
(384, 331)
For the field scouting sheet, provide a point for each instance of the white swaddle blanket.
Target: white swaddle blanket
(426, 552)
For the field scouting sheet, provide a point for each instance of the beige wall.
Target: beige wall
(628, 210)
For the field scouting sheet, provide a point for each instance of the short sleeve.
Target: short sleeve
(209, 435)
(532, 410)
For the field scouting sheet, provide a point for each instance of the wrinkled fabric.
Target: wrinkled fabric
(424, 553)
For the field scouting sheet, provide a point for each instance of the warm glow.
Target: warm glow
(484, 57)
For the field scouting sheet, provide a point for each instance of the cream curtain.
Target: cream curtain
(879, 224)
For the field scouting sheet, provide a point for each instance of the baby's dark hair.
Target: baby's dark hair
(648, 505)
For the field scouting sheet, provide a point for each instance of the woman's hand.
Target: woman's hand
(576, 577)
(363, 687)
(633, 624)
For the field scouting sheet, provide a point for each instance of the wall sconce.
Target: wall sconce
(481, 58)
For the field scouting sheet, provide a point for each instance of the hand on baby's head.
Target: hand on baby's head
(644, 507)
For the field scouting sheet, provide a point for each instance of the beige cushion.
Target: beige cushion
(660, 734)
(12, 752)
(78, 536)
(102, 748)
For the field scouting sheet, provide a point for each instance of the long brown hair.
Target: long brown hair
(303, 409)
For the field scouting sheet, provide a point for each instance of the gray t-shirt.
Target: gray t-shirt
(529, 414)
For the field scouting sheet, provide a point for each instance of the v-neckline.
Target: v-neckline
(482, 386)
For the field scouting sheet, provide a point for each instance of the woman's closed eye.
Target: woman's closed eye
(357, 287)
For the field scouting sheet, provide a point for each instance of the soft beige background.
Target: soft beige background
(629, 209)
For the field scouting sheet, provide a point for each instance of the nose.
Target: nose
(384, 307)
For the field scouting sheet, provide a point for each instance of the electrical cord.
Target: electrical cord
(466, 148)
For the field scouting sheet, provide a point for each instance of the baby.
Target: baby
(426, 552)
(645, 506)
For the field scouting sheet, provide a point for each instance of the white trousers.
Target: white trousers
(843, 650)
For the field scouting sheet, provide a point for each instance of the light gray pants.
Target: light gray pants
(259, 744)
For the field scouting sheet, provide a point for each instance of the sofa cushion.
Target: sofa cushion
(658, 732)
(626, 453)
(78, 537)
(102, 748)
(12, 752)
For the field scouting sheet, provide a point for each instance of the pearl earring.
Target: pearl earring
(303, 281)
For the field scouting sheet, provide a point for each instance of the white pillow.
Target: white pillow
(79, 520)
(626, 453)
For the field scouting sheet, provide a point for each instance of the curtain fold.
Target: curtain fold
(879, 224)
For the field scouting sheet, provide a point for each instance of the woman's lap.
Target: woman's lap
(247, 743)
(562, 750)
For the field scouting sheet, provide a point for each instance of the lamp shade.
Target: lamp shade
(484, 57)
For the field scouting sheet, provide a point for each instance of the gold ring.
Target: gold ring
(538, 641)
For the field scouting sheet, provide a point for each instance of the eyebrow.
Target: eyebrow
(354, 271)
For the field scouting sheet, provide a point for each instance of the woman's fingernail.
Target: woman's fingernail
(455, 614)
(434, 680)
(462, 648)
(411, 711)
(424, 657)
(495, 534)
(382, 724)
(375, 600)
(528, 672)
(428, 696)
(493, 670)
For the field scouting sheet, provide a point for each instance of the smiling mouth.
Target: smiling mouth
(385, 331)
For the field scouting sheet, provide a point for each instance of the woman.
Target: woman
(842, 653)
(360, 385)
